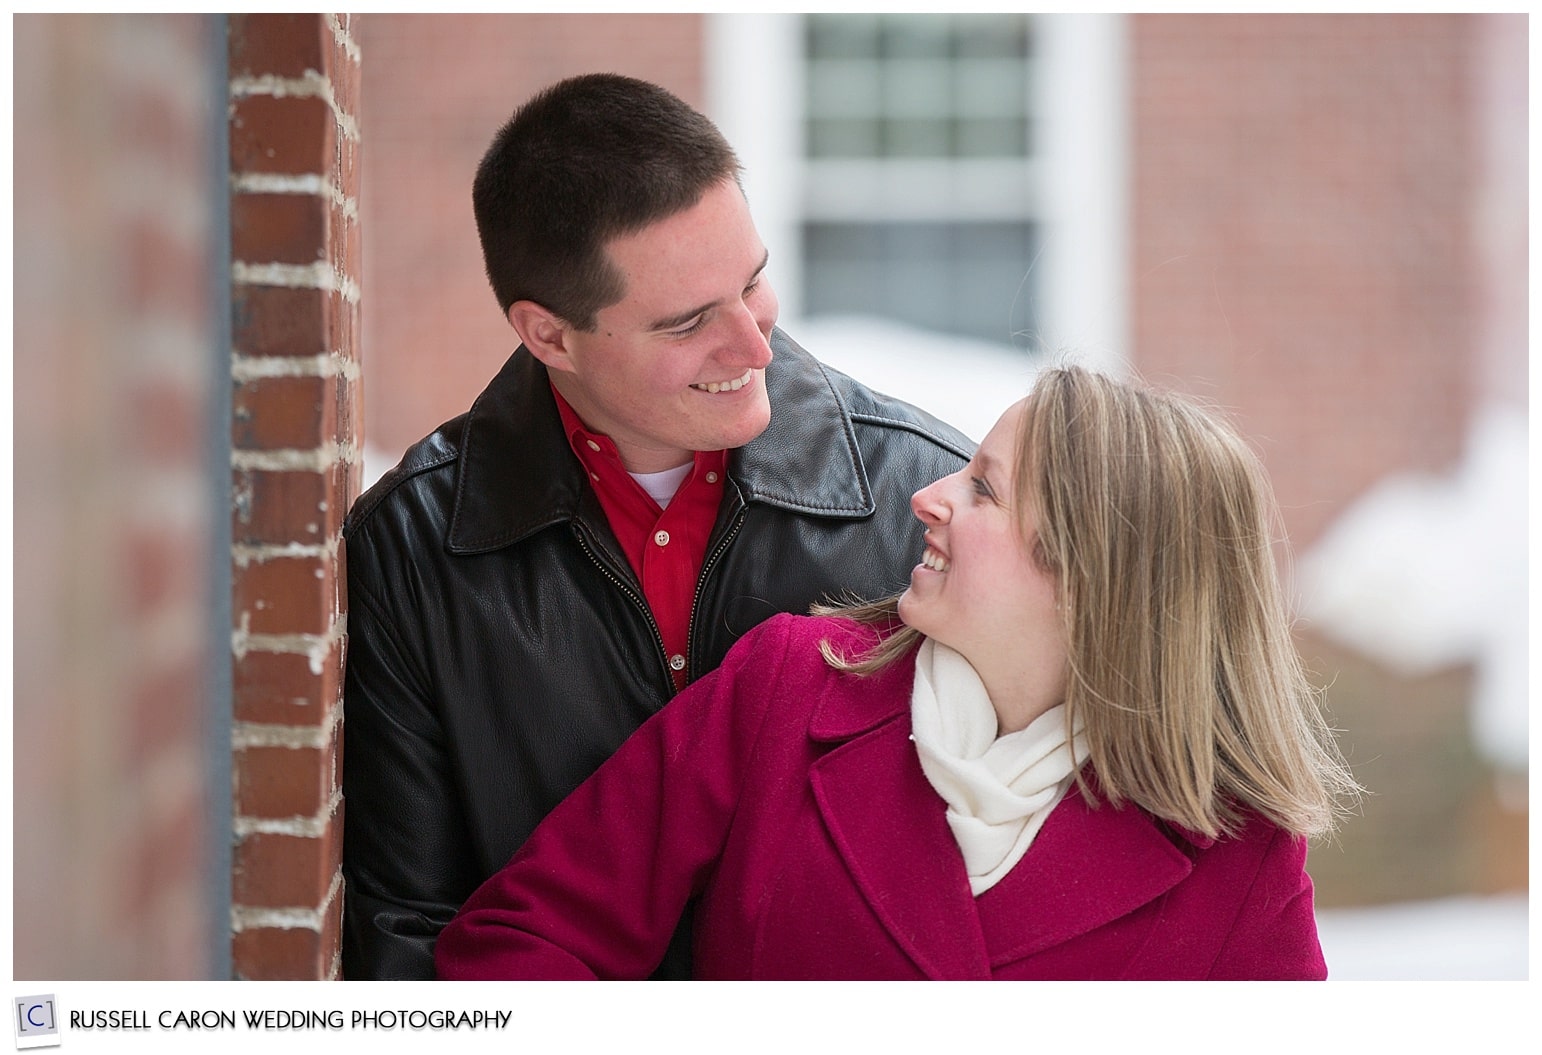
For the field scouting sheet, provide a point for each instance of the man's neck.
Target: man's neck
(635, 458)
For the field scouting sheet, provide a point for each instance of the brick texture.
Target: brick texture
(289, 688)
(295, 304)
(290, 952)
(278, 321)
(1300, 237)
(279, 506)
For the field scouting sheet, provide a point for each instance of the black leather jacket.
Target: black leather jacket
(499, 648)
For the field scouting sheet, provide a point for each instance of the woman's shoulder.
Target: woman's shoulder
(842, 632)
(1250, 832)
(788, 646)
(1251, 840)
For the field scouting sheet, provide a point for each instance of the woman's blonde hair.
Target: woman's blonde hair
(1160, 525)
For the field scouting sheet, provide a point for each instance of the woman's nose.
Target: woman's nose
(929, 504)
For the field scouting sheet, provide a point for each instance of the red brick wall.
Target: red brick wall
(1301, 245)
(294, 156)
(1311, 247)
(437, 88)
(113, 558)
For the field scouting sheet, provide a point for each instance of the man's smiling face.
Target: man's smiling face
(678, 364)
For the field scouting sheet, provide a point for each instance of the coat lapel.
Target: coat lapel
(889, 828)
(1086, 868)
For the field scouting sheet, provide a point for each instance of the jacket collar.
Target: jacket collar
(1087, 866)
(517, 475)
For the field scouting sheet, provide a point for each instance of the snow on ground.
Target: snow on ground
(1470, 938)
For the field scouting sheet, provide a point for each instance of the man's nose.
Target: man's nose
(764, 305)
(749, 344)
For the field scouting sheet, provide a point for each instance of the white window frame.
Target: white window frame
(1075, 188)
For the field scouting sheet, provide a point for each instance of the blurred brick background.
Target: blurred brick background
(1309, 252)
(113, 505)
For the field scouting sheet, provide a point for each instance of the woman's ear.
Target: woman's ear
(542, 332)
(1040, 554)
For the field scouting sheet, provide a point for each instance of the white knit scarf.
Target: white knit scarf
(999, 790)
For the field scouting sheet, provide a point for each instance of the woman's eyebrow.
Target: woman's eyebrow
(986, 463)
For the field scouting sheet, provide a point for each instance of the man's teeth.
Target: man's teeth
(726, 386)
(934, 560)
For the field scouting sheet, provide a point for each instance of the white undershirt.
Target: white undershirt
(662, 486)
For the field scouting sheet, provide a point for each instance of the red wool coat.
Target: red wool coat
(789, 800)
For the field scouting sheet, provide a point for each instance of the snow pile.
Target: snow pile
(1425, 572)
(965, 382)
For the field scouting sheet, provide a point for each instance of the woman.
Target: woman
(1079, 745)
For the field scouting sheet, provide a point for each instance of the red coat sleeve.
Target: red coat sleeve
(1275, 933)
(597, 890)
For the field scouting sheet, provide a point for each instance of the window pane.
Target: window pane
(971, 279)
(917, 138)
(844, 89)
(916, 36)
(932, 104)
(925, 74)
(918, 88)
(991, 36)
(991, 89)
(843, 139)
(841, 36)
(983, 138)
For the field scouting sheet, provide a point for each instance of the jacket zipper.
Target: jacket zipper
(636, 599)
(701, 582)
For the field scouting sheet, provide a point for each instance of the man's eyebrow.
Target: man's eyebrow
(681, 318)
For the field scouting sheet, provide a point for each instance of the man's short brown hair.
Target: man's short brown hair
(586, 160)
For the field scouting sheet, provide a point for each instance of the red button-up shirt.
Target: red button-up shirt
(666, 546)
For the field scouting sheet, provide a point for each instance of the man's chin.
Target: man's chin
(745, 430)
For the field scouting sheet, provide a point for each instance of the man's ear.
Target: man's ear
(542, 332)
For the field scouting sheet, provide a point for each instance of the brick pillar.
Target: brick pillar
(294, 84)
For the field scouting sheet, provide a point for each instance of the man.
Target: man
(654, 471)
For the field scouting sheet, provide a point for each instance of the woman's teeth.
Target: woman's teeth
(934, 560)
(726, 386)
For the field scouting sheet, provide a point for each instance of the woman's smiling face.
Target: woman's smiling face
(978, 588)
